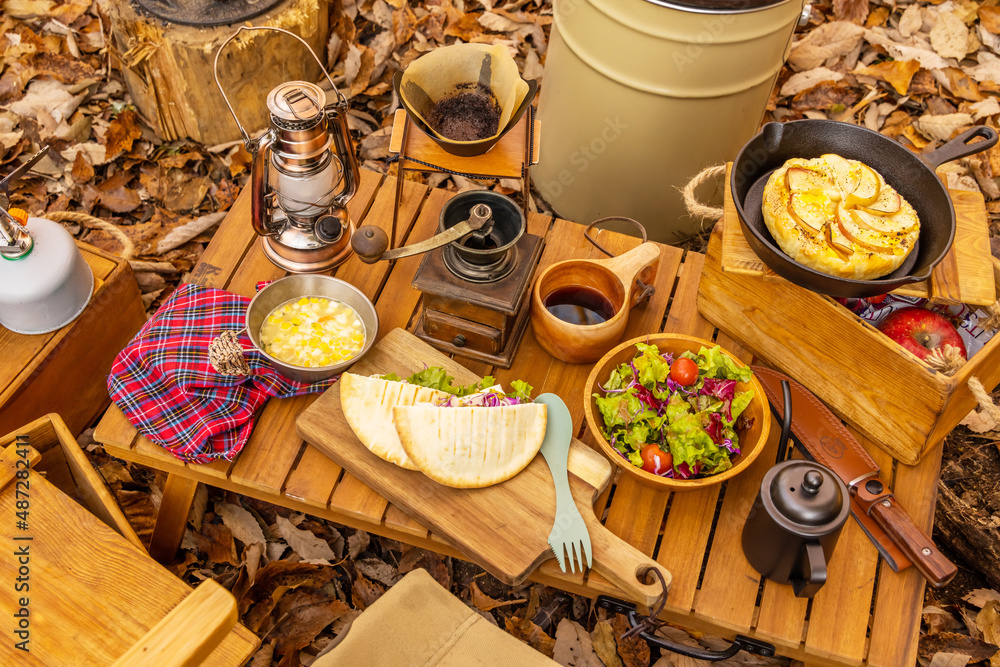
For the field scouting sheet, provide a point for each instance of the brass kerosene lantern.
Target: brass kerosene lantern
(304, 172)
(475, 276)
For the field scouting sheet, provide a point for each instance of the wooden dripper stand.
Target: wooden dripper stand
(475, 289)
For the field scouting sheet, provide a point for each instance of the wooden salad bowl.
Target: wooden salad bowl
(752, 438)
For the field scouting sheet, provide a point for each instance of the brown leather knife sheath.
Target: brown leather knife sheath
(829, 442)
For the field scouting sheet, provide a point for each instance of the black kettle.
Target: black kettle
(793, 526)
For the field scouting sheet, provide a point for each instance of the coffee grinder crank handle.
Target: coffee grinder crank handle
(370, 243)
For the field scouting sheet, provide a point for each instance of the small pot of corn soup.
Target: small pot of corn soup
(311, 327)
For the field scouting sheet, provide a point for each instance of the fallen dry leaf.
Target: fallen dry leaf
(82, 170)
(830, 40)
(574, 647)
(122, 131)
(69, 11)
(897, 73)
(988, 69)
(805, 80)
(113, 471)
(272, 582)
(927, 58)
(26, 9)
(949, 36)
(978, 597)
(634, 651)
(603, 638)
(854, 11)
(943, 127)
(242, 524)
(178, 236)
(988, 622)
(116, 196)
(379, 570)
(949, 660)
(302, 618)
(827, 97)
(356, 543)
(958, 84)
(939, 620)
(484, 602)
(303, 542)
(64, 68)
(910, 22)
(366, 65)
(989, 19)
(525, 630)
(50, 96)
(952, 642)
(988, 107)
(364, 592)
(877, 17)
(216, 541)
(184, 191)
(439, 566)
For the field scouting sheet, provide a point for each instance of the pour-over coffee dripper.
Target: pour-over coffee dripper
(453, 70)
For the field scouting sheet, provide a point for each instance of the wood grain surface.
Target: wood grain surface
(504, 527)
(91, 594)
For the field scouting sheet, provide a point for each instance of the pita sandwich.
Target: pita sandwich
(471, 447)
(367, 403)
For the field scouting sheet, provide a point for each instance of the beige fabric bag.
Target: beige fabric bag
(419, 623)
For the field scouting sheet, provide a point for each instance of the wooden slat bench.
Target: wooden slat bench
(866, 614)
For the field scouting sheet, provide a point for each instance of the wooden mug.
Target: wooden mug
(617, 279)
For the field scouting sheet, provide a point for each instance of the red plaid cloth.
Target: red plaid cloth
(167, 388)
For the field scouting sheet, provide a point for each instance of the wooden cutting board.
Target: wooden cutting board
(504, 527)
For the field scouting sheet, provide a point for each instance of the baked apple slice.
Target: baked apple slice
(802, 179)
(868, 190)
(864, 236)
(809, 211)
(842, 250)
(888, 203)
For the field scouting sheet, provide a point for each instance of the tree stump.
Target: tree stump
(169, 67)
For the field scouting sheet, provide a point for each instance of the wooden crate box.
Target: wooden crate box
(66, 466)
(894, 398)
(66, 371)
(93, 597)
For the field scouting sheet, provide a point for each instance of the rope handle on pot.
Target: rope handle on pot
(226, 354)
(695, 208)
(87, 220)
(948, 360)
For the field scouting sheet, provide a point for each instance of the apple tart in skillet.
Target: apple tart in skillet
(839, 217)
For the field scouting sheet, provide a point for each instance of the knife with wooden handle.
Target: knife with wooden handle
(825, 438)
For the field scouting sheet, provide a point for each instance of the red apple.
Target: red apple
(920, 331)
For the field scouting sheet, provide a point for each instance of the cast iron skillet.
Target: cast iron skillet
(910, 174)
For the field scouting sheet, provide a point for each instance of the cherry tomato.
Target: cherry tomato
(655, 460)
(684, 372)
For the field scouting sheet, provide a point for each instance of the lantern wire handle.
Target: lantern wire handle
(251, 144)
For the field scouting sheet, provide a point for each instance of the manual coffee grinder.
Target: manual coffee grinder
(475, 276)
(304, 171)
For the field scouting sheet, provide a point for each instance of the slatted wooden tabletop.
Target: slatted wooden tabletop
(866, 614)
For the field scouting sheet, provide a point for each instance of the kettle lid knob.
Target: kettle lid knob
(811, 482)
(805, 493)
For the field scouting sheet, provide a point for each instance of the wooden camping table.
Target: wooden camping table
(865, 614)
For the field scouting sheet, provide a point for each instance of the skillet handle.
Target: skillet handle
(960, 147)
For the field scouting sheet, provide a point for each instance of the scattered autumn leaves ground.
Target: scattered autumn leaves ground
(919, 72)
